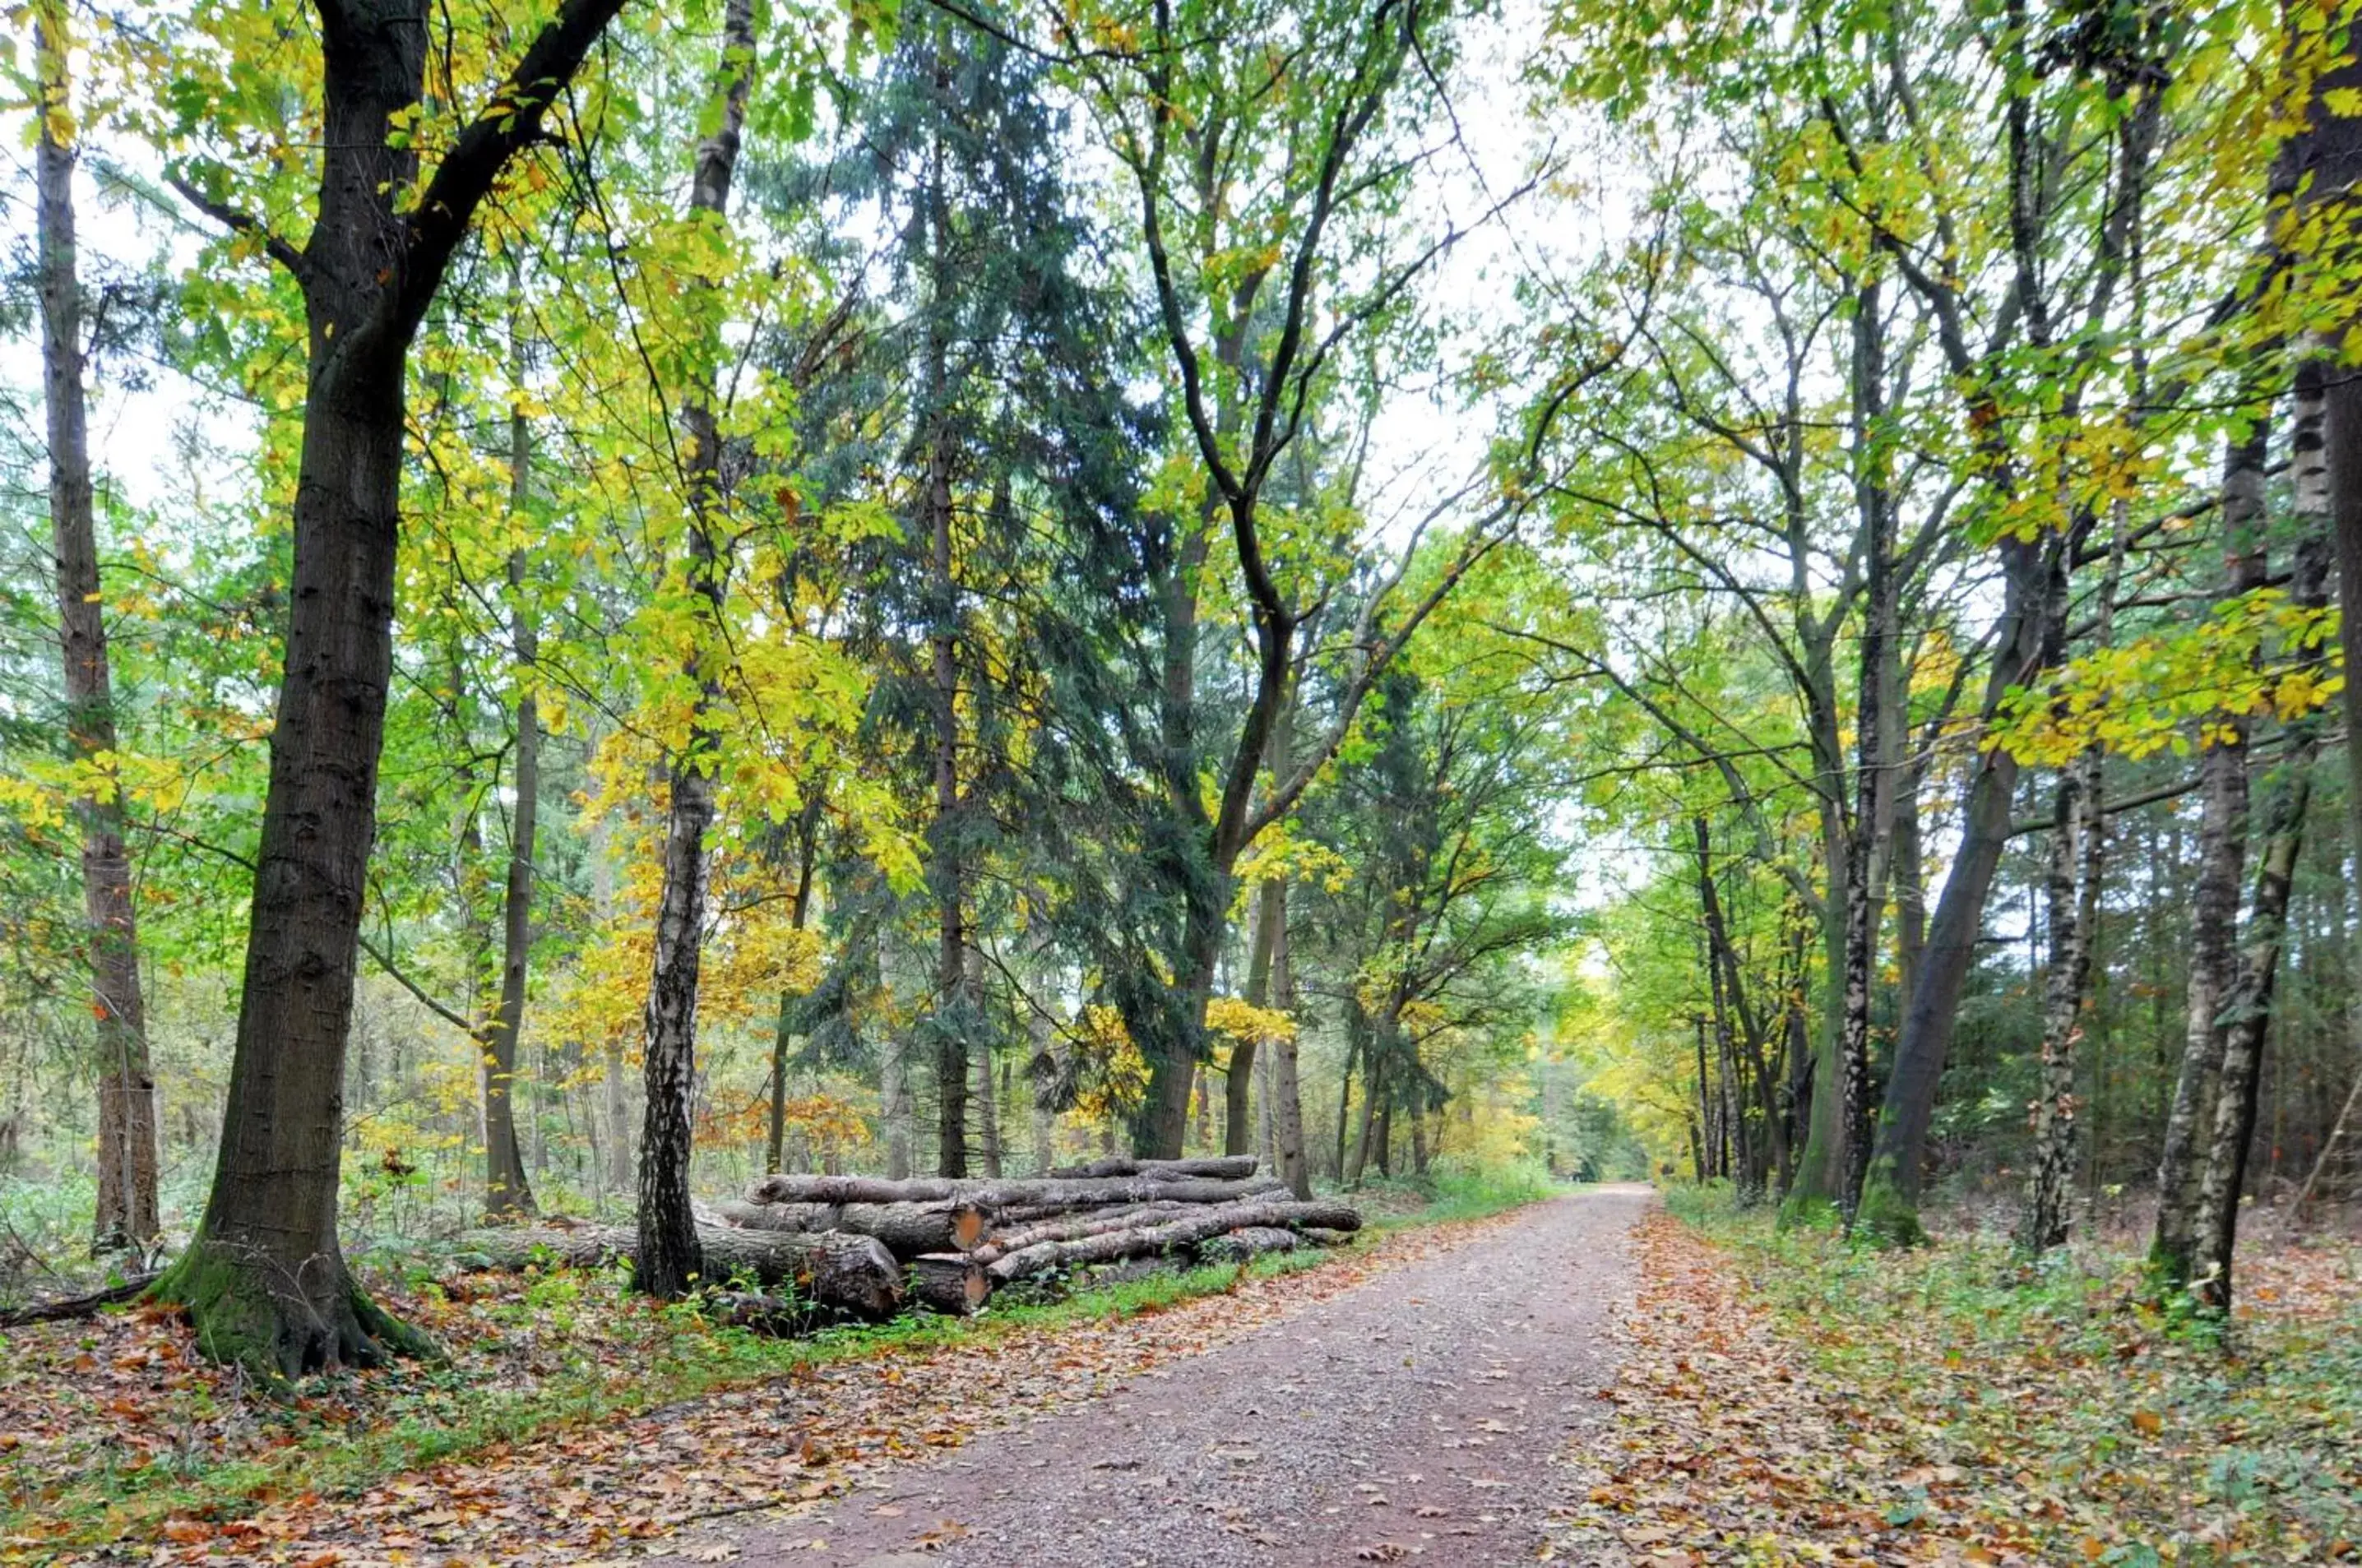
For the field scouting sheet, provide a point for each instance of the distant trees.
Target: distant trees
(1960, 399)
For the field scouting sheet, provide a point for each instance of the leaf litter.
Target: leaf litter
(106, 1424)
(1786, 1400)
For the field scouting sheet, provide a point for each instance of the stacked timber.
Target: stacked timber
(960, 1240)
(840, 1271)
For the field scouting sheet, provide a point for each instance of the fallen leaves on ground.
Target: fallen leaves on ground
(1787, 1400)
(123, 1402)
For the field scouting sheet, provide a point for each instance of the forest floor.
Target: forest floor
(1593, 1380)
(1788, 1399)
(575, 1422)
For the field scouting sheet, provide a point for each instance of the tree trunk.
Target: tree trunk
(266, 1279)
(2214, 903)
(1722, 978)
(2069, 883)
(507, 1194)
(2330, 149)
(987, 1102)
(1290, 1161)
(126, 1213)
(1890, 1194)
(954, 1015)
(783, 1032)
(1270, 923)
(894, 1103)
(670, 1262)
(2248, 1009)
(1044, 1055)
(1872, 841)
(1373, 1089)
(2078, 850)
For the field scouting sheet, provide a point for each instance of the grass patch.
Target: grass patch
(1451, 1193)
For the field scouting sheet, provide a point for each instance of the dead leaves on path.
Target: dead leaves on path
(1722, 1453)
(674, 1481)
(1875, 1420)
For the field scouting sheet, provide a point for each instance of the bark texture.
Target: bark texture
(1113, 1246)
(906, 1229)
(2248, 1011)
(265, 1278)
(127, 1214)
(835, 1269)
(668, 1260)
(2215, 902)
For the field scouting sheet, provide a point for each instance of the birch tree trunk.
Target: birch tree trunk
(2074, 856)
(669, 1260)
(2072, 879)
(2215, 902)
(1872, 826)
(2248, 1009)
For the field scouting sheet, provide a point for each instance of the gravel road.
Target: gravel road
(1417, 1419)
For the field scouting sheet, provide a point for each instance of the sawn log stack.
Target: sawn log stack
(960, 1240)
(862, 1246)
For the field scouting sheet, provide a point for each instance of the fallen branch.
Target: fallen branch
(59, 1309)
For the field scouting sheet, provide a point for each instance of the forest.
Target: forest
(804, 657)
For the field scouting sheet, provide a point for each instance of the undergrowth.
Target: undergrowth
(1451, 1191)
(2104, 1426)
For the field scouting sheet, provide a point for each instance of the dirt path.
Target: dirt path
(1420, 1417)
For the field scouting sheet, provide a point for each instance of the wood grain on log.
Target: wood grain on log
(949, 1281)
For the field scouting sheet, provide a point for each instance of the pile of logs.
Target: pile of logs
(960, 1240)
(860, 1246)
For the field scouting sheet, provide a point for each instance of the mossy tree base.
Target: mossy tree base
(1808, 1211)
(280, 1323)
(1888, 1216)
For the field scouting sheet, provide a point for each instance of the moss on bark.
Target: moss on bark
(1887, 1215)
(319, 1320)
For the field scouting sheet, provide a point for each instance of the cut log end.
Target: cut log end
(950, 1282)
